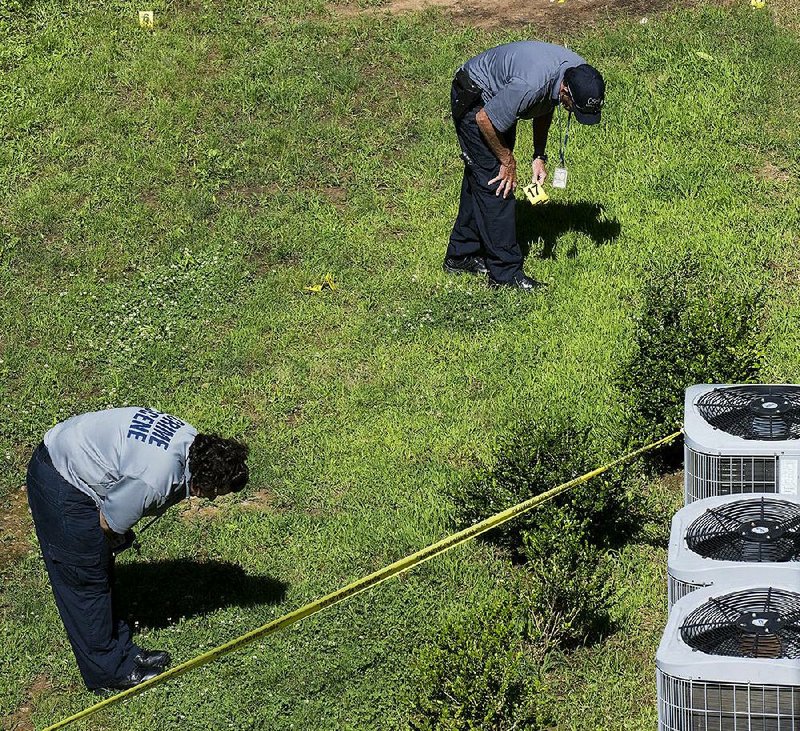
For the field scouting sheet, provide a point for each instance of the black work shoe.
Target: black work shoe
(153, 659)
(465, 265)
(519, 281)
(138, 675)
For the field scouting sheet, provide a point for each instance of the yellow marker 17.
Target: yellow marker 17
(535, 194)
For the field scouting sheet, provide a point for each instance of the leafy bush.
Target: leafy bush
(695, 326)
(479, 674)
(561, 543)
(570, 584)
(537, 457)
(485, 669)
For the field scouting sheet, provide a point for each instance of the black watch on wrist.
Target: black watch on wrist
(542, 157)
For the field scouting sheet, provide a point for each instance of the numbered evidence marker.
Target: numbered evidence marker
(560, 178)
(146, 19)
(535, 194)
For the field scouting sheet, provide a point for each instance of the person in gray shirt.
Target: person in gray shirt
(89, 482)
(490, 92)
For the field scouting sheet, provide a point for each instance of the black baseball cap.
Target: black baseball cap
(588, 92)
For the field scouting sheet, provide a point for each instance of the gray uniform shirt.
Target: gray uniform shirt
(520, 80)
(132, 461)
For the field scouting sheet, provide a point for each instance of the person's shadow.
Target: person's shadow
(543, 224)
(157, 594)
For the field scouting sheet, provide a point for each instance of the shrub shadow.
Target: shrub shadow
(544, 224)
(155, 594)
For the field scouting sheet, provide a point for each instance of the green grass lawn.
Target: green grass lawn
(165, 198)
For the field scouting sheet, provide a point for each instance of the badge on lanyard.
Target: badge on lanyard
(560, 173)
(560, 178)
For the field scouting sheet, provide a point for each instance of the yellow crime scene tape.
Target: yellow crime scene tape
(367, 582)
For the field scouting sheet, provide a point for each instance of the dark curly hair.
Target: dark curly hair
(218, 465)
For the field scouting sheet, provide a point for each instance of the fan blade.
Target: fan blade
(721, 518)
(710, 536)
(724, 640)
(728, 414)
(791, 525)
(790, 619)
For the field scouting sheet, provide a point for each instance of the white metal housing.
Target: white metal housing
(718, 463)
(687, 570)
(702, 692)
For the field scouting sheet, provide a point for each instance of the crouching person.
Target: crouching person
(91, 479)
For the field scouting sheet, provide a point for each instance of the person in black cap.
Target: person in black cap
(490, 92)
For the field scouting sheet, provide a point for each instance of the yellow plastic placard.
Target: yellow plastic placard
(146, 19)
(535, 194)
(326, 283)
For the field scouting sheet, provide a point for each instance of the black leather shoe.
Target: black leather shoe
(467, 265)
(138, 675)
(153, 659)
(519, 281)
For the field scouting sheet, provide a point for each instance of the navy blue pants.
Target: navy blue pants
(486, 223)
(80, 565)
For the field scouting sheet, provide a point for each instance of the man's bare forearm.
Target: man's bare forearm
(503, 153)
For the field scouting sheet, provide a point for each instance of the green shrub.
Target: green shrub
(696, 326)
(570, 584)
(537, 457)
(562, 543)
(479, 674)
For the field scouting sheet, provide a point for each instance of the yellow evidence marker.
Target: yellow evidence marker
(535, 194)
(326, 283)
(146, 19)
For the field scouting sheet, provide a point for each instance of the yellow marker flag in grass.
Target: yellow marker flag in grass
(757, 4)
(326, 283)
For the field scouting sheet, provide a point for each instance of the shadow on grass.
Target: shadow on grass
(546, 223)
(156, 594)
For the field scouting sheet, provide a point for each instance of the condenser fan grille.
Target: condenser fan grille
(757, 530)
(763, 623)
(753, 412)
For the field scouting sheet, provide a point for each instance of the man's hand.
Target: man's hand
(508, 165)
(115, 541)
(539, 171)
(507, 177)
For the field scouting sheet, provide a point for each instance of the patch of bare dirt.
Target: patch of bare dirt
(251, 196)
(295, 415)
(773, 173)
(199, 510)
(550, 17)
(785, 274)
(149, 198)
(20, 720)
(787, 14)
(263, 501)
(337, 196)
(15, 523)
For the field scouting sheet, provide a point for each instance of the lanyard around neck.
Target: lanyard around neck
(563, 140)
